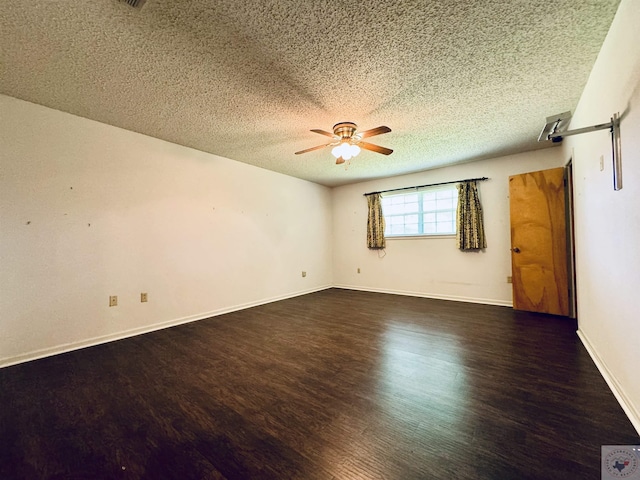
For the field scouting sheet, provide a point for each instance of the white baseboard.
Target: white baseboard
(614, 385)
(68, 347)
(455, 298)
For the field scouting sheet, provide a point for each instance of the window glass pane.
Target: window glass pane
(441, 194)
(411, 207)
(411, 228)
(429, 195)
(429, 217)
(397, 229)
(445, 217)
(445, 203)
(412, 197)
(394, 210)
(444, 227)
(429, 205)
(429, 228)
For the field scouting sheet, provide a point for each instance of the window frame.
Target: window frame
(453, 188)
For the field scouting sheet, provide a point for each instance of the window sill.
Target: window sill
(414, 237)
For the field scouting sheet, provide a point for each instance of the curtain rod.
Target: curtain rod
(428, 185)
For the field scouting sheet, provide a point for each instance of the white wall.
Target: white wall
(88, 210)
(608, 222)
(434, 267)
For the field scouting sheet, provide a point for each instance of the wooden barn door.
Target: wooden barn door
(539, 242)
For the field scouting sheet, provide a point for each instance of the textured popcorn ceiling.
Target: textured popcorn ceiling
(455, 80)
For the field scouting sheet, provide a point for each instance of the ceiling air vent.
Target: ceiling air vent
(134, 3)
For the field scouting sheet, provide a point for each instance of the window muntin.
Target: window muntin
(425, 212)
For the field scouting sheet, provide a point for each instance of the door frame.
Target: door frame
(571, 238)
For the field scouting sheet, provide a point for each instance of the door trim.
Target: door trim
(571, 239)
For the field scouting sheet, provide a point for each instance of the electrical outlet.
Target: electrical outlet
(113, 301)
(601, 163)
(304, 274)
(509, 279)
(358, 269)
(143, 297)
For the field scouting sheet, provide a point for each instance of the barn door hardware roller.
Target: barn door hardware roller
(556, 129)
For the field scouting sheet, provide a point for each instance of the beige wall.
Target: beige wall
(88, 210)
(608, 222)
(434, 267)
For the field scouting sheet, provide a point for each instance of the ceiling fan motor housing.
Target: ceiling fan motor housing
(345, 130)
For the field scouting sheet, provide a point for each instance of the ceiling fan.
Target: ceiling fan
(347, 141)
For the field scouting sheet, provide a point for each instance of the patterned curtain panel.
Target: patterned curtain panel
(470, 234)
(375, 223)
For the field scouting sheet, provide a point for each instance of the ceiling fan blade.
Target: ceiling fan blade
(375, 148)
(318, 147)
(339, 161)
(375, 131)
(322, 132)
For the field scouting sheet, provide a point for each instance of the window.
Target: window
(425, 212)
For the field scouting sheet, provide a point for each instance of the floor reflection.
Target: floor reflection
(422, 372)
(415, 404)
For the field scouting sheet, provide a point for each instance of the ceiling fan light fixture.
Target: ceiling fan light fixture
(345, 150)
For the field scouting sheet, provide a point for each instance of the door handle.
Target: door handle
(515, 250)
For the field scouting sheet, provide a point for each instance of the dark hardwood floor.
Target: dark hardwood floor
(333, 385)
